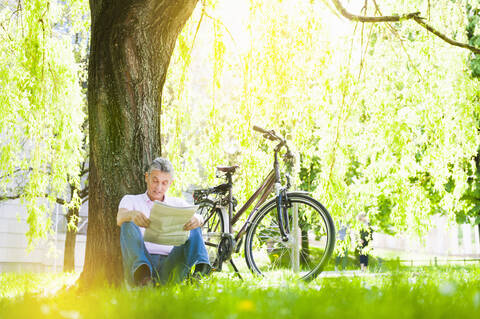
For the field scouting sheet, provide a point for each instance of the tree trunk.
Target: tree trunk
(70, 241)
(131, 46)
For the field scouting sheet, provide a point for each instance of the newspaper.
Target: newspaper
(166, 224)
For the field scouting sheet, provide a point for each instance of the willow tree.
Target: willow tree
(41, 109)
(131, 46)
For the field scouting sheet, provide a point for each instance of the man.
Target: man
(145, 262)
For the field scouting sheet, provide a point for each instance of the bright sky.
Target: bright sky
(234, 14)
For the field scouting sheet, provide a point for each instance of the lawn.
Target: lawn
(431, 292)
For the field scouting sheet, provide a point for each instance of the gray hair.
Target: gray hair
(161, 164)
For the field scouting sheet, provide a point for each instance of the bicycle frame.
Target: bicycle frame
(271, 181)
(263, 192)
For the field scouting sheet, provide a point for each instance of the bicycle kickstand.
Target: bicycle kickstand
(235, 269)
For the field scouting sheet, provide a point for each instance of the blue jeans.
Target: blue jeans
(172, 268)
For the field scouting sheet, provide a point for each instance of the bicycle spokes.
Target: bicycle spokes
(212, 230)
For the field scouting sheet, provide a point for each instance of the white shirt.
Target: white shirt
(142, 203)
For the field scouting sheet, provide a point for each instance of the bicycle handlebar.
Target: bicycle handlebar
(268, 134)
(274, 137)
(261, 130)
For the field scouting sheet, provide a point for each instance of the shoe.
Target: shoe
(142, 276)
(145, 282)
(201, 270)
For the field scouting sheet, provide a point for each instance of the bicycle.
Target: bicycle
(291, 231)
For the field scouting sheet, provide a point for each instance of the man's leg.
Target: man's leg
(137, 263)
(177, 265)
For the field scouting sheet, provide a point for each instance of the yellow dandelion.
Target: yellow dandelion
(246, 305)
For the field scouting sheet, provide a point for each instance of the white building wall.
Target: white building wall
(443, 240)
(47, 255)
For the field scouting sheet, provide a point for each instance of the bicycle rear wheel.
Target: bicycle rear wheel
(212, 229)
(311, 238)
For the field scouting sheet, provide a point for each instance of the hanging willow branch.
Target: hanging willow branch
(415, 16)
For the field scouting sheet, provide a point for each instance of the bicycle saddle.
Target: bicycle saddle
(227, 169)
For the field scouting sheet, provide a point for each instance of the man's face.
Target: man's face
(158, 183)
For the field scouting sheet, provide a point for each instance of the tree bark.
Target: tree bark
(131, 46)
(70, 241)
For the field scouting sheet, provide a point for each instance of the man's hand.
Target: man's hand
(125, 215)
(194, 222)
(139, 219)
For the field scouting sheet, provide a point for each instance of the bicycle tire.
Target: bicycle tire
(265, 251)
(212, 229)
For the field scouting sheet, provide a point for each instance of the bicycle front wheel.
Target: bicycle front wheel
(307, 248)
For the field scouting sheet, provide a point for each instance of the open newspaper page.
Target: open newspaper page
(166, 224)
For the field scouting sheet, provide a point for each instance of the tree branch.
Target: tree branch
(17, 170)
(360, 18)
(84, 171)
(429, 28)
(83, 193)
(415, 16)
(11, 197)
(5, 197)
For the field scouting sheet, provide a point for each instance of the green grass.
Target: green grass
(442, 292)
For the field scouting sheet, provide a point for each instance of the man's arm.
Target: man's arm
(125, 215)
